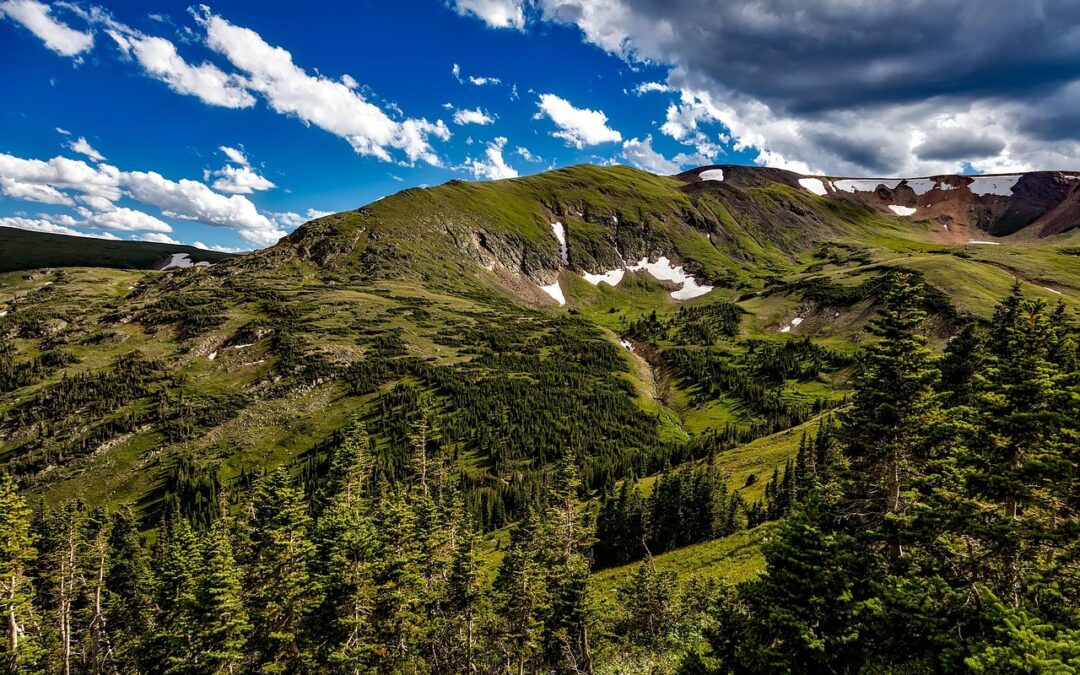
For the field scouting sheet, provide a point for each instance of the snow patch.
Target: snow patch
(177, 261)
(3, 313)
(612, 277)
(921, 185)
(1044, 287)
(993, 185)
(987, 243)
(712, 174)
(901, 210)
(663, 270)
(213, 355)
(785, 329)
(796, 321)
(627, 344)
(865, 184)
(814, 185)
(560, 236)
(555, 292)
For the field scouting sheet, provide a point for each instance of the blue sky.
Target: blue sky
(230, 124)
(402, 57)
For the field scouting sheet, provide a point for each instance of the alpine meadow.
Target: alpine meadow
(750, 409)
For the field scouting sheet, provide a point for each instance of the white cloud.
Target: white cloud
(126, 220)
(61, 130)
(82, 147)
(217, 247)
(238, 177)
(492, 166)
(37, 18)
(62, 173)
(98, 188)
(160, 59)
(481, 81)
(291, 219)
(646, 87)
(577, 126)
(642, 155)
(524, 153)
(495, 13)
(157, 238)
(456, 72)
(326, 103)
(191, 200)
(42, 225)
(33, 192)
(476, 116)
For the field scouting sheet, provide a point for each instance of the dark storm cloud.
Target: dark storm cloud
(807, 57)
(958, 145)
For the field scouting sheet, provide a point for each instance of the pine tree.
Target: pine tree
(223, 625)
(177, 566)
(887, 431)
(520, 598)
(279, 583)
(399, 590)
(128, 587)
(464, 599)
(21, 648)
(647, 605)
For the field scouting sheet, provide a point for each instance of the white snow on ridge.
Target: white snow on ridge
(796, 321)
(712, 174)
(901, 210)
(993, 185)
(923, 185)
(1044, 287)
(663, 270)
(555, 291)
(865, 184)
(177, 261)
(988, 243)
(560, 235)
(611, 278)
(814, 185)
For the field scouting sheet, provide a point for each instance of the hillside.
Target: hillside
(24, 250)
(441, 300)
(591, 402)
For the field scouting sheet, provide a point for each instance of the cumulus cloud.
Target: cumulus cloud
(93, 190)
(217, 247)
(492, 166)
(161, 61)
(237, 177)
(526, 155)
(642, 155)
(157, 238)
(43, 225)
(315, 99)
(577, 126)
(82, 147)
(476, 116)
(646, 87)
(481, 81)
(495, 13)
(855, 87)
(37, 17)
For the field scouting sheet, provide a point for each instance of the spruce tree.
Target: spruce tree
(223, 625)
(20, 648)
(520, 598)
(887, 430)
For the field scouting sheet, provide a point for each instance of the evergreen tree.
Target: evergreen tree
(279, 581)
(520, 598)
(128, 587)
(20, 649)
(223, 625)
(887, 429)
(647, 603)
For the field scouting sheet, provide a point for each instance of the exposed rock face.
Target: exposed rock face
(1040, 203)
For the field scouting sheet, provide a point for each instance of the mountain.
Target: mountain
(444, 303)
(1038, 203)
(25, 250)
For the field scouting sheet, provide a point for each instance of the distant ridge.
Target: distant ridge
(26, 250)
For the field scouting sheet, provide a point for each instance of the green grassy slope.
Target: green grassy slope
(429, 298)
(23, 250)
